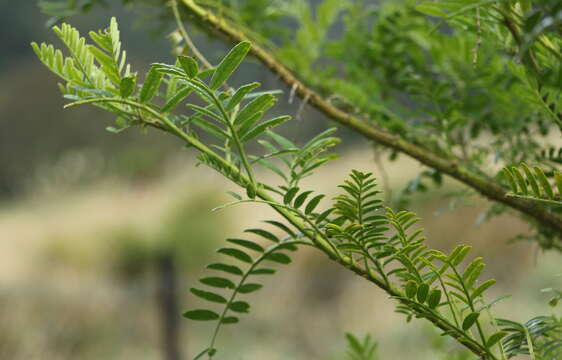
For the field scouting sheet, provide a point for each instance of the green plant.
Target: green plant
(365, 349)
(448, 83)
(534, 185)
(384, 246)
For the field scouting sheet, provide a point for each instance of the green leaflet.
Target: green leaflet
(217, 282)
(249, 288)
(470, 320)
(541, 178)
(259, 104)
(262, 127)
(482, 287)
(231, 269)
(150, 86)
(127, 86)
(240, 94)
(239, 306)
(423, 291)
(189, 65)
(411, 289)
(383, 246)
(434, 298)
(228, 64)
(176, 98)
(201, 315)
(495, 338)
(236, 253)
(541, 189)
(209, 296)
(247, 244)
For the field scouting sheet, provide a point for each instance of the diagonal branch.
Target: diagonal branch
(452, 167)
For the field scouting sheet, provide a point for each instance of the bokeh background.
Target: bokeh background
(94, 227)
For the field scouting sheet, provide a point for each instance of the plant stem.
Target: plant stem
(320, 242)
(452, 167)
(262, 257)
(186, 38)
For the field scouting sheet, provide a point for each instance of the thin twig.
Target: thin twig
(450, 166)
(186, 38)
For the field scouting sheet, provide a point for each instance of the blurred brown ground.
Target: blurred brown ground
(62, 298)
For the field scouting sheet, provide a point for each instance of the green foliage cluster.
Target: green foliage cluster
(466, 81)
(357, 231)
(534, 185)
(365, 349)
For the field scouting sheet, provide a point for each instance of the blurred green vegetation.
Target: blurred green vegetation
(35, 133)
(91, 293)
(37, 136)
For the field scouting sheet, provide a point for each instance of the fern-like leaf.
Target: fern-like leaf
(250, 265)
(533, 184)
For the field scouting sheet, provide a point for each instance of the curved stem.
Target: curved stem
(470, 304)
(319, 241)
(186, 38)
(262, 257)
(452, 167)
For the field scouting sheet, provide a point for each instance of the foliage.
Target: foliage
(462, 81)
(357, 231)
(358, 349)
(534, 185)
(539, 337)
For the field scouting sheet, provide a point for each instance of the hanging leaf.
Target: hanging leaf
(434, 298)
(247, 244)
(301, 198)
(289, 195)
(176, 98)
(218, 282)
(209, 296)
(258, 105)
(423, 290)
(261, 128)
(492, 340)
(411, 289)
(279, 258)
(282, 226)
(509, 176)
(263, 271)
(236, 253)
(312, 204)
(201, 315)
(470, 320)
(231, 269)
(531, 179)
(520, 180)
(239, 306)
(249, 288)
(127, 86)
(544, 182)
(229, 320)
(263, 233)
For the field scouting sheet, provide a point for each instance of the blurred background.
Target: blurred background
(102, 235)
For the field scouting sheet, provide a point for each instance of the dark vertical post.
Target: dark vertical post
(167, 305)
